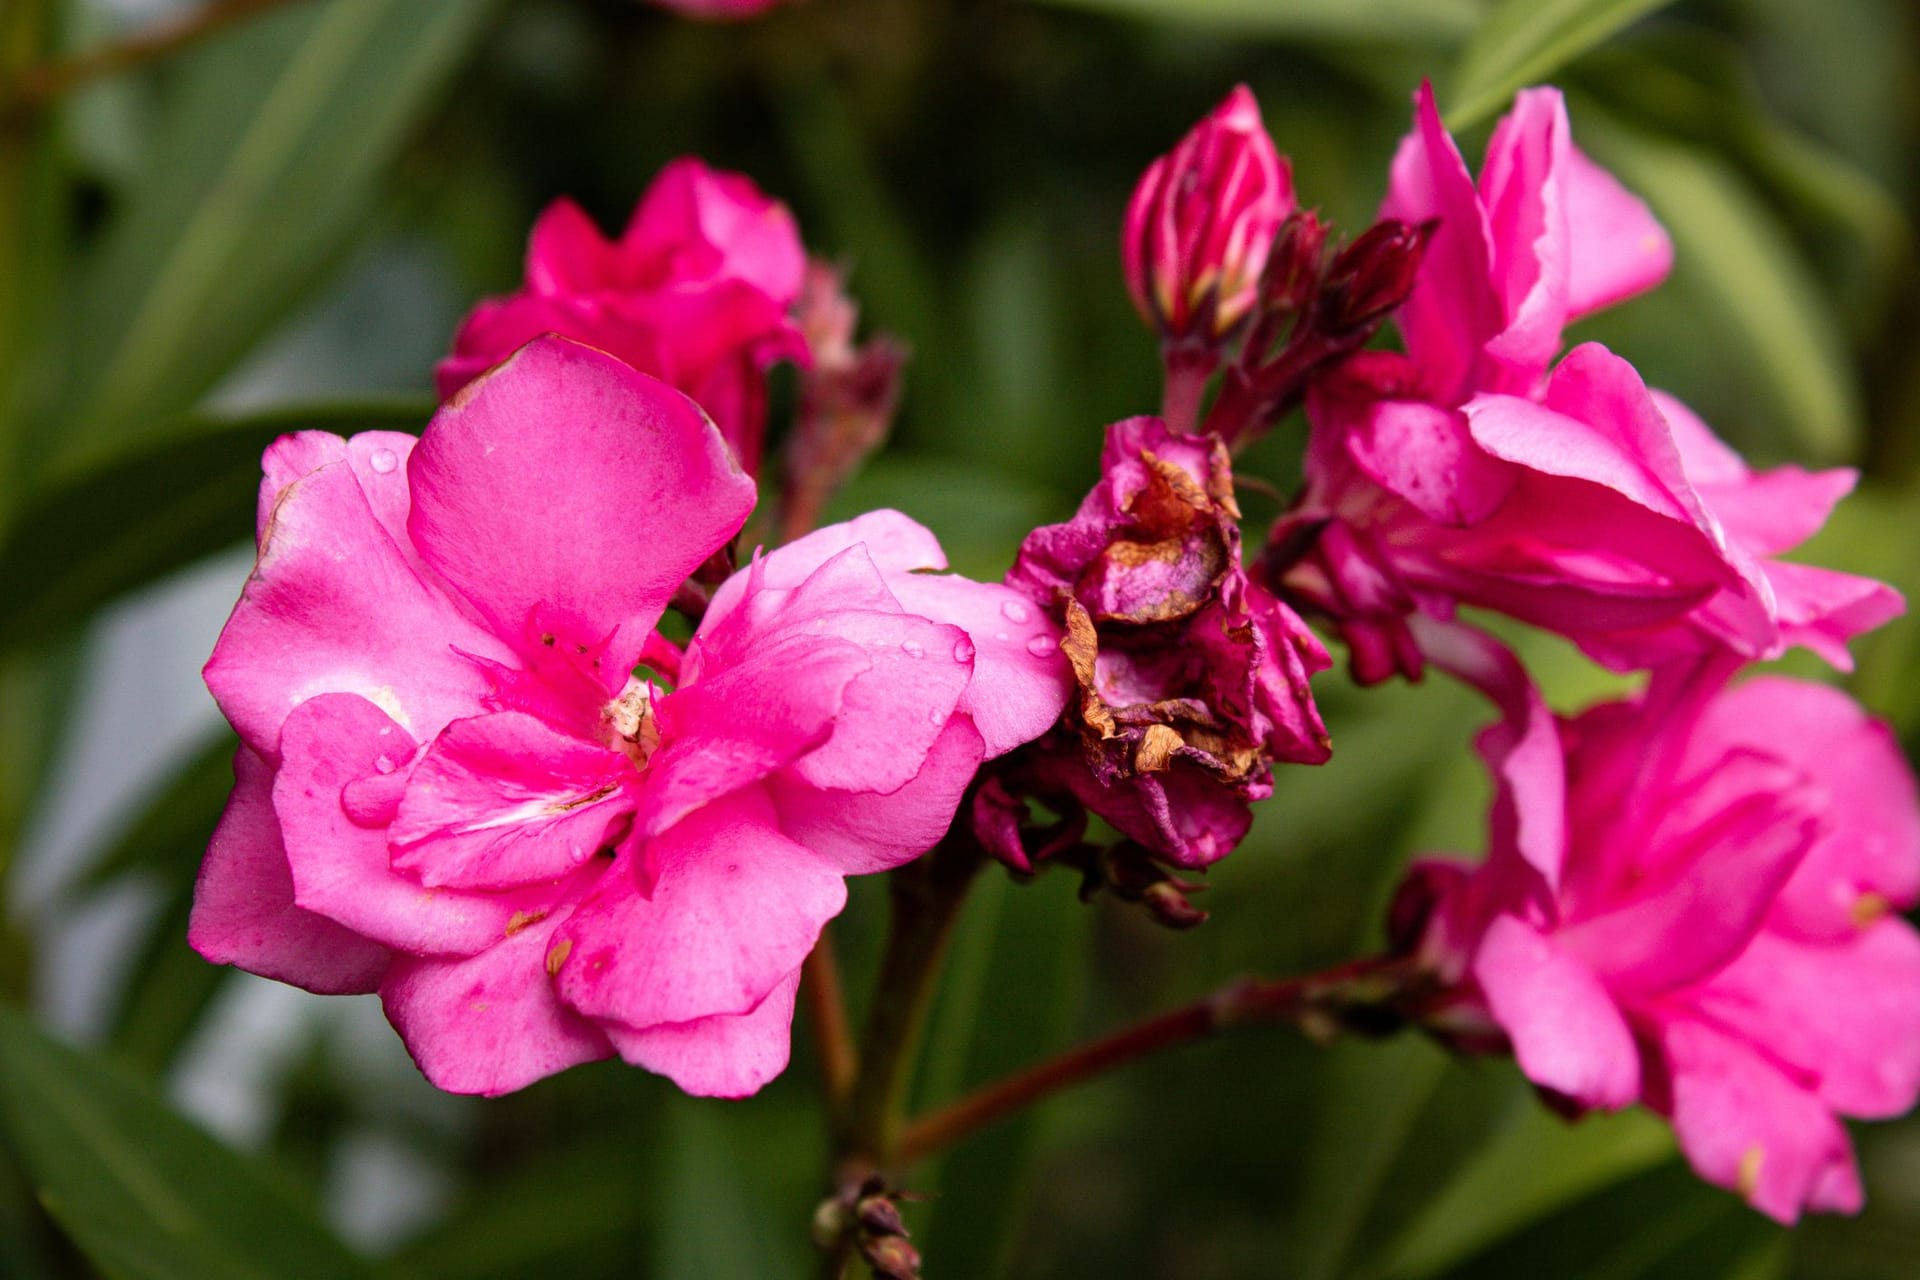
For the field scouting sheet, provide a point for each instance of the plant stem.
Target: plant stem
(41, 84)
(826, 1002)
(1320, 1004)
(1188, 369)
(927, 896)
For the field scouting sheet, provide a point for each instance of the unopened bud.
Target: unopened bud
(891, 1257)
(1202, 221)
(881, 1216)
(1168, 903)
(1372, 276)
(1297, 261)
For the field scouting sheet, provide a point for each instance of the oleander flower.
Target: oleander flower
(1475, 471)
(474, 777)
(1192, 679)
(697, 291)
(1689, 902)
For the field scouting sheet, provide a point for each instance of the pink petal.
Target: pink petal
(734, 908)
(1822, 609)
(333, 607)
(759, 714)
(1619, 248)
(1423, 453)
(502, 800)
(489, 1024)
(1567, 1033)
(243, 909)
(1745, 1126)
(1847, 1014)
(1453, 309)
(1869, 848)
(714, 225)
(722, 1056)
(1728, 845)
(1522, 751)
(895, 544)
(341, 869)
(566, 484)
(566, 252)
(864, 831)
(1523, 185)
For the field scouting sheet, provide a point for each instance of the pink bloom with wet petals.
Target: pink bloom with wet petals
(474, 778)
(1202, 221)
(1689, 903)
(697, 291)
(1474, 470)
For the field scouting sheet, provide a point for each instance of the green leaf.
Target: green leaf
(1539, 1164)
(1389, 20)
(270, 152)
(145, 1194)
(1730, 250)
(120, 525)
(1525, 41)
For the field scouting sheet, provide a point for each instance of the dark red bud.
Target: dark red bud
(1372, 276)
(1168, 903)
(1293, 271)
(891, 1257)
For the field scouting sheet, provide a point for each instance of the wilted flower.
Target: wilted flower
(1192, 679)
(1689, 902)
(1202, 221)
(474, 778)
(697, 291)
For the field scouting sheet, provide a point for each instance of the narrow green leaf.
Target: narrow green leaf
(145, 1194)
(124, 523)
(1525, 41)
(1539, 1164)
(1732, 252)
(271, 149)
(1390, 20)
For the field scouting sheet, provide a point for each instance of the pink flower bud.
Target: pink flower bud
(1202, 222)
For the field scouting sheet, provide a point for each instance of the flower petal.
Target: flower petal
(734, 907)
(489, 1024)
(1567, 1033)
(727, 1055)
(243, 908)
(341, 869)
(565, 486)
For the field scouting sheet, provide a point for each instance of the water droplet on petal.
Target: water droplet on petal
(1041, 646)
(1002, 636)
(1015, 611)
(383, 763)
(963, 650)
(936, 717)
(384, 461)
(912, 648)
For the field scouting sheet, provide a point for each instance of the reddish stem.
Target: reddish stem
(1316, 1003)
(826, 1003)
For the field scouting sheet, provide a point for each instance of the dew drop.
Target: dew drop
(1016, 611)
(1002, 636)
(936, 717)
(963, 650)
(384, 461)
(1041, 646)
(383, 763)
(912, 648)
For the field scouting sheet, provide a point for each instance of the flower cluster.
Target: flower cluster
(479, 775)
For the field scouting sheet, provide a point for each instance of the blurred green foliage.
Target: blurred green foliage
(164, 233)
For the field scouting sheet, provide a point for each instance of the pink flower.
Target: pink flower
(1192, 678)
(1575, 499)
(474, 778)
(1202, 221)
(1688, 903)
(697, 291)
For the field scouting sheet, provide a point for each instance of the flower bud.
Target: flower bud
(1202, 222)
(1372, 276)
